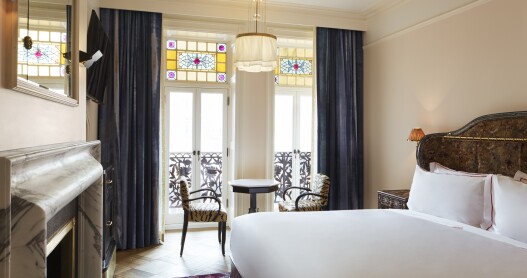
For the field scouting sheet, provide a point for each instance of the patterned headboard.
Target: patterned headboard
(495, 143)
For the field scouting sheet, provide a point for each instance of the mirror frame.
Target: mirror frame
(12, 80)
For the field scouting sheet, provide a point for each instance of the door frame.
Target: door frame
(196, 89)
(297, 93)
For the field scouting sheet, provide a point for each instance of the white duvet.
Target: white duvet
(369, 243)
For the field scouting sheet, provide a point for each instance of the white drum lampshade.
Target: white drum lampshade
(255, 51)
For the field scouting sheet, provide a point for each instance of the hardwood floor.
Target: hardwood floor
(202, 255)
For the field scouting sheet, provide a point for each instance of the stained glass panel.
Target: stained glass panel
(171, 75)
(192, 46)
(45, 57)
(55, 36)
(43, 71)
(40, 54)
(222, 47)
(196, 61)
(295, 67)
(171, 44)
(222, 77)
(54, 71)
(43, 36)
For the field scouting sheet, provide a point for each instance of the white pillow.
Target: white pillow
(455, 197)
(487, 198)
(520, 176)
(442, 169)
(510, 207)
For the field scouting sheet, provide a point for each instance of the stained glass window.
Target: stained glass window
(44, 59)
(295, 67)
(196, 61)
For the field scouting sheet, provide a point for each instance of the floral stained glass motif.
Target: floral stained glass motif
(295, 67)
(45, 57)
(196, 61)
(40, 54)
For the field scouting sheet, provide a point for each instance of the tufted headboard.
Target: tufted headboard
(495, 143)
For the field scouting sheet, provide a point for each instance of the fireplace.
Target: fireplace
(51, 211)
(61, 252)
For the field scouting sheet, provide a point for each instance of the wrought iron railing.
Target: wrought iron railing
(283, 172)
(211, 173)
(180, 165)
(305, 169)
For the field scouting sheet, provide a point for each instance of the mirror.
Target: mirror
(41, 32)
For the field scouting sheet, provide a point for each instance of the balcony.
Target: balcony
(211, 173)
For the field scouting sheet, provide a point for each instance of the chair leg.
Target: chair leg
(184, 235)
(223, 235)
(219, 232)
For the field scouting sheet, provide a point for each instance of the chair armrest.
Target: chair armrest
(206, 197)
(294, 187)
(204, 189)
(304, 195)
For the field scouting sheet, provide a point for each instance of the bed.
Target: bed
(415, 242)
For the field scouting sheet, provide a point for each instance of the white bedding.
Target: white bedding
(369, 243)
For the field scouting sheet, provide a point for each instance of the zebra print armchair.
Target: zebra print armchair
(202, 212)
(314, 199)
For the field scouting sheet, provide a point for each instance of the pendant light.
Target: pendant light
(255, 51)
(28, 42)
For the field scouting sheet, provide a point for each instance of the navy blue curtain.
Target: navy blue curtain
(340, 115)
(129, 123)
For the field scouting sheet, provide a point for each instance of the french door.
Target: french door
(293, 139)
(197, 143)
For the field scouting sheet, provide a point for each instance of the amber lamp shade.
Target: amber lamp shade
(416, 134)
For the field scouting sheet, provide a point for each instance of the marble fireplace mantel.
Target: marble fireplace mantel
(35, 184)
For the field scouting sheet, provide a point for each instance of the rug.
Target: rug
(213, 275)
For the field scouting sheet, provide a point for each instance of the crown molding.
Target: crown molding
(421, 24)
(315, 10)
(238, 10)
(203, 25)
(382, 7)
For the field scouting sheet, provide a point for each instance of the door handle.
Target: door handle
(193, 152)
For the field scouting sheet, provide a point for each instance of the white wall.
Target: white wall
(408, 13)
(30, 121)
(440, 76)
(254, 129)
(92, 108)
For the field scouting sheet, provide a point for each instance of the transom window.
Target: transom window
(295, 67)
(196, 61)
(44, 59)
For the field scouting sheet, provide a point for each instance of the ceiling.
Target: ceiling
(353, 6)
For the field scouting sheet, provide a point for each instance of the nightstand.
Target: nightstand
(393, 199)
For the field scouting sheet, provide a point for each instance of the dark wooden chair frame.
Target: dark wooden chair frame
(222, 226)
(302, 195)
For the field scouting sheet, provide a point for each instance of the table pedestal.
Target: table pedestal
(252, 207)
(252, 187)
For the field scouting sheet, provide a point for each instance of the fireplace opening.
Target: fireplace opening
(60, 257)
